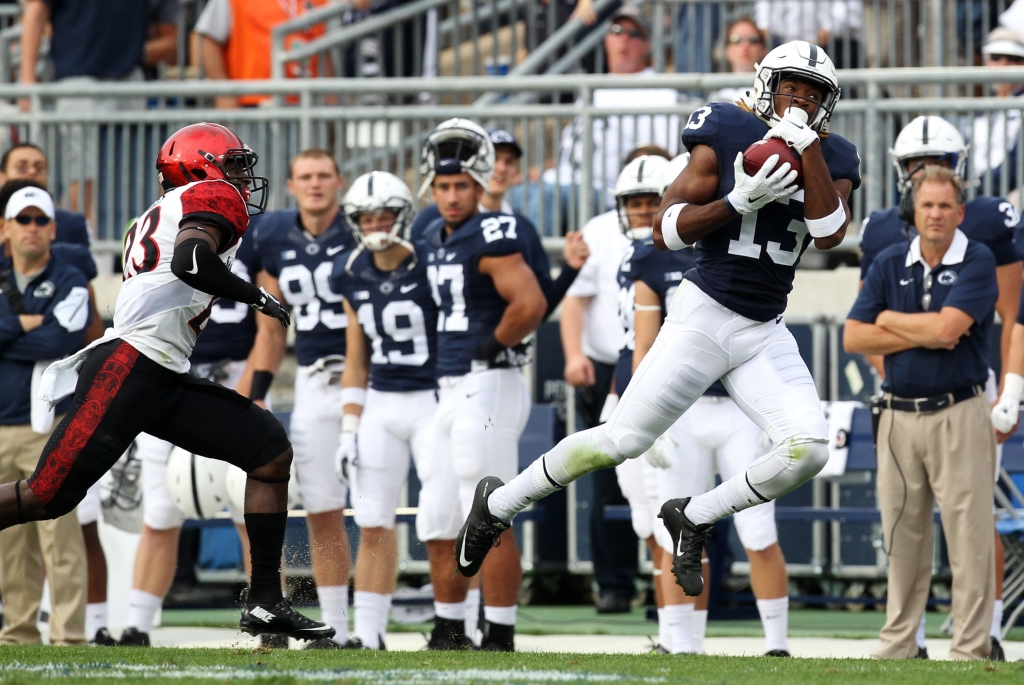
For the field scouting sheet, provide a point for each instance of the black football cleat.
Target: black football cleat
(688, 538)
(777, 652)
(102, 638)
(282, 619)
(997, 653)
(498, 638)
(133, 637)
(481, 531)
(449, 635)
(922, 653)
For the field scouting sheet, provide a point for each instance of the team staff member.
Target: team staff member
(929, 309)
(44, 310)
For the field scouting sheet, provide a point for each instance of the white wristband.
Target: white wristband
(1013, 385)
(826, 226)
(669, 231)
(349, 423)
(353, 395)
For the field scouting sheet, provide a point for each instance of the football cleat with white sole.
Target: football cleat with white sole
(282, 619)
(481, 531)
(688, 539)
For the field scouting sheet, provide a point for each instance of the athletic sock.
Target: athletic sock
(997, 620)
(369, 606)
(505, 616)
(334, 610)
(920, 633)
(142, 608)
(775, 619)
(452, 611)
(574, 456)
(266, 540)
(728, 498)
(700, 627)
(472, 613)
(680, 627)
(664, 636)
(382, 627)
(95, 618)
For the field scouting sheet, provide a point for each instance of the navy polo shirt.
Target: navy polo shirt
(965, 279)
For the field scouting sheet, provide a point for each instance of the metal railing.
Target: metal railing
(562, 186)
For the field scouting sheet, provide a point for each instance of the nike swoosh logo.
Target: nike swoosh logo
(470, 394)
(778, 319)
(331, 251)
(450, 256)
(907, 281)
(755, 199)
(195, 266)
(679, 546)
(406, 288)
(463, 561)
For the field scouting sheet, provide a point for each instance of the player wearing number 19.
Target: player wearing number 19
(725, 320)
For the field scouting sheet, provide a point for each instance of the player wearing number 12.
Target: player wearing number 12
(725, 320)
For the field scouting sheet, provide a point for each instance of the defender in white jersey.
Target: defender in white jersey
(134, 381)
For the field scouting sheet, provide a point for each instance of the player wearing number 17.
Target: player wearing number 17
(725, 320)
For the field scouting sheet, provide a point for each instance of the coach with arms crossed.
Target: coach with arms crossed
(928, 309)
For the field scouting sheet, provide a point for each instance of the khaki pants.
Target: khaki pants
(947, 457)
(24, 549)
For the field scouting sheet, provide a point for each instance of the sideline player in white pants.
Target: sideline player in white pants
(392, 345)
(726, 320)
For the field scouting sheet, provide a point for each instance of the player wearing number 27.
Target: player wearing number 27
(725, 320)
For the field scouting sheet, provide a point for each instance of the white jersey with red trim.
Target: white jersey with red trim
(156, 313)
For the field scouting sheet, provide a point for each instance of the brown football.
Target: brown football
(755, 156)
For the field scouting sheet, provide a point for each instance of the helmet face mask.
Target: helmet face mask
(802, 61)
(374, 193)
(457, 146)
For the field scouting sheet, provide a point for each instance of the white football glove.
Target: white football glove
(660, 453)
(793, 129)
(751, 193)
(347, 456)
(1007, 409)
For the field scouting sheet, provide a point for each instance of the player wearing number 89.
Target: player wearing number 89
(490, 299)
(392, 345)
(725, 320)
(297, 249)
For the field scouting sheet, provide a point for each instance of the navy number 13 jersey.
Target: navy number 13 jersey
(748, 264)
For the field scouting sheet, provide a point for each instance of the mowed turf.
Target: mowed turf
(68, 665)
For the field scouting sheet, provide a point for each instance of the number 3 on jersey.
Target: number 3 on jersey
(746, 247)
(141, 253)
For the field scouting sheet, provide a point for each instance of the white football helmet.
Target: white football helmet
(373, 192)
(645, 175)
(674, 168)
(197, 484)
(796, 59)
(457, 146)
(929, 136)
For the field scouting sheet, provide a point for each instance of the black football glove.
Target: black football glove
(269, 306)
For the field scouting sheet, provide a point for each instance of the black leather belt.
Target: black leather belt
(926, 404)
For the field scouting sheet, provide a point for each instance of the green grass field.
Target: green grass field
(25, 665)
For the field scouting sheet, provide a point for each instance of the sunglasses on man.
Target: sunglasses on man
(619, 29)
(736, 39)
(39, 220)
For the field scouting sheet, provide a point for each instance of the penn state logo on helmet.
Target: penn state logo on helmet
(373, 194)
(457, 146)
(801, 60)
(645, 175)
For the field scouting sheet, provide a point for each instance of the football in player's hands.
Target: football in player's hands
(755, 156)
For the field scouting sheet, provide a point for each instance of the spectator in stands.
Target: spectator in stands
(591, 339)
(235, 42)
(994, 153)
(745, 46)
(27, 161)
(507, 172)
(161, 46)
(44, 310)
(928, 308)
(833, 24)
(627, 47)
(91, 41)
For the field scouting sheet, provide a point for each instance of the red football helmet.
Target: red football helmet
(203, 152)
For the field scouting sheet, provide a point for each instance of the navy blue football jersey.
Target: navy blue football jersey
(748, 264)
(421, 223)
(231, 329)
(398, 315)
(470, 306)
(991, 221)
(302, 265)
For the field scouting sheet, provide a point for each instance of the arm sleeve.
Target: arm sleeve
(197, 266)
(63, 329)
(871, 299)
(215, 21)
(976, 290)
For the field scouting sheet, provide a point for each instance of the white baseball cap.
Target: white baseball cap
(1004, 41)
(29, 197)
